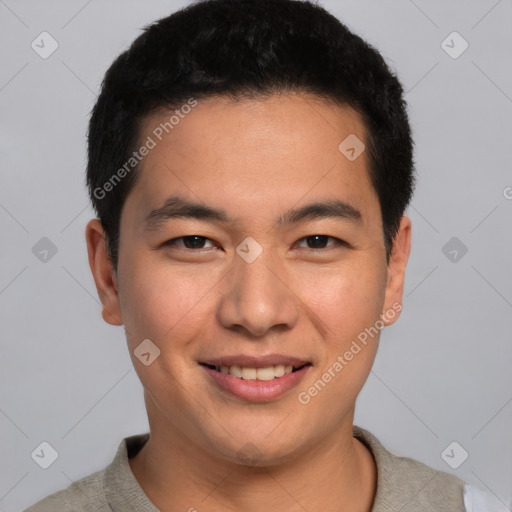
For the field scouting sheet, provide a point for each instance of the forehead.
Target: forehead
(251, 152)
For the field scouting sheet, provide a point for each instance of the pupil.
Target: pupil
(322, 238)
(193, 242)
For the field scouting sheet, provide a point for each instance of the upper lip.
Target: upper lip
(255, 361)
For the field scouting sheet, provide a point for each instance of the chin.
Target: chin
(258, 450)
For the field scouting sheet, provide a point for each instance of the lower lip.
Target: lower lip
(257, 390)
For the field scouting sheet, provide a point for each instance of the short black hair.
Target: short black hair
(247, 48)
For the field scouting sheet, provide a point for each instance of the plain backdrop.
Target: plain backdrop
(443, 372)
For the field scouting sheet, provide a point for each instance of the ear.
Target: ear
(396, 272)
(103, 272)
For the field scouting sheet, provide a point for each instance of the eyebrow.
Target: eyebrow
(178, 207)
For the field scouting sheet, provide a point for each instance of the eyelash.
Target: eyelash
(338, 242)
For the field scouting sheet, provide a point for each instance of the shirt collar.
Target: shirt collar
(122, 490)
(400, 481)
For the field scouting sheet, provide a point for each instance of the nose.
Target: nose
(257, 297)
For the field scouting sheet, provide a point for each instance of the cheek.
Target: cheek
(345, 300)
(345, 305)
(170, 307)
(159, 301)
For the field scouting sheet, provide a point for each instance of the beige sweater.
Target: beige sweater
(403, 484)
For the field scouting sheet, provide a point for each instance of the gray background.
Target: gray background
(443, 372)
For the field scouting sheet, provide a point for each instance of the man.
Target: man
(250, 162)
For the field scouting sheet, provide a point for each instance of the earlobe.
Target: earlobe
(396, 272)
(103, 272)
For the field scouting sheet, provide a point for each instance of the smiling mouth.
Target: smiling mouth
(248, 373)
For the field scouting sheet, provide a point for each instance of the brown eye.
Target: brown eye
(189, 242)
(320, 241)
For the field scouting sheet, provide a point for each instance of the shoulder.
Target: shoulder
(409, 485)
(85, 495)
(114, 485)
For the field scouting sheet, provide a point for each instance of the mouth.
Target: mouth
(266, 373)
(252, 379)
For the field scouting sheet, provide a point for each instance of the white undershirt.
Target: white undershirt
(478, 500)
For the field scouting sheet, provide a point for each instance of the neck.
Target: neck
(337, 473)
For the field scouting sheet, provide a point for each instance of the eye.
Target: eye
(320, 241)
(189, 242)
(197, 242)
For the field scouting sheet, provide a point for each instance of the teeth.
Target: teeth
(279, 370)
(246, 373)
(236, 371)
(265, 373)
(249, 373)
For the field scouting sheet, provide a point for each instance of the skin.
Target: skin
(256, 159)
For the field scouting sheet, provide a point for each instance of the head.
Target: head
(278, 124)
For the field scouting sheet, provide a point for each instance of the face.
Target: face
(278, 266)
